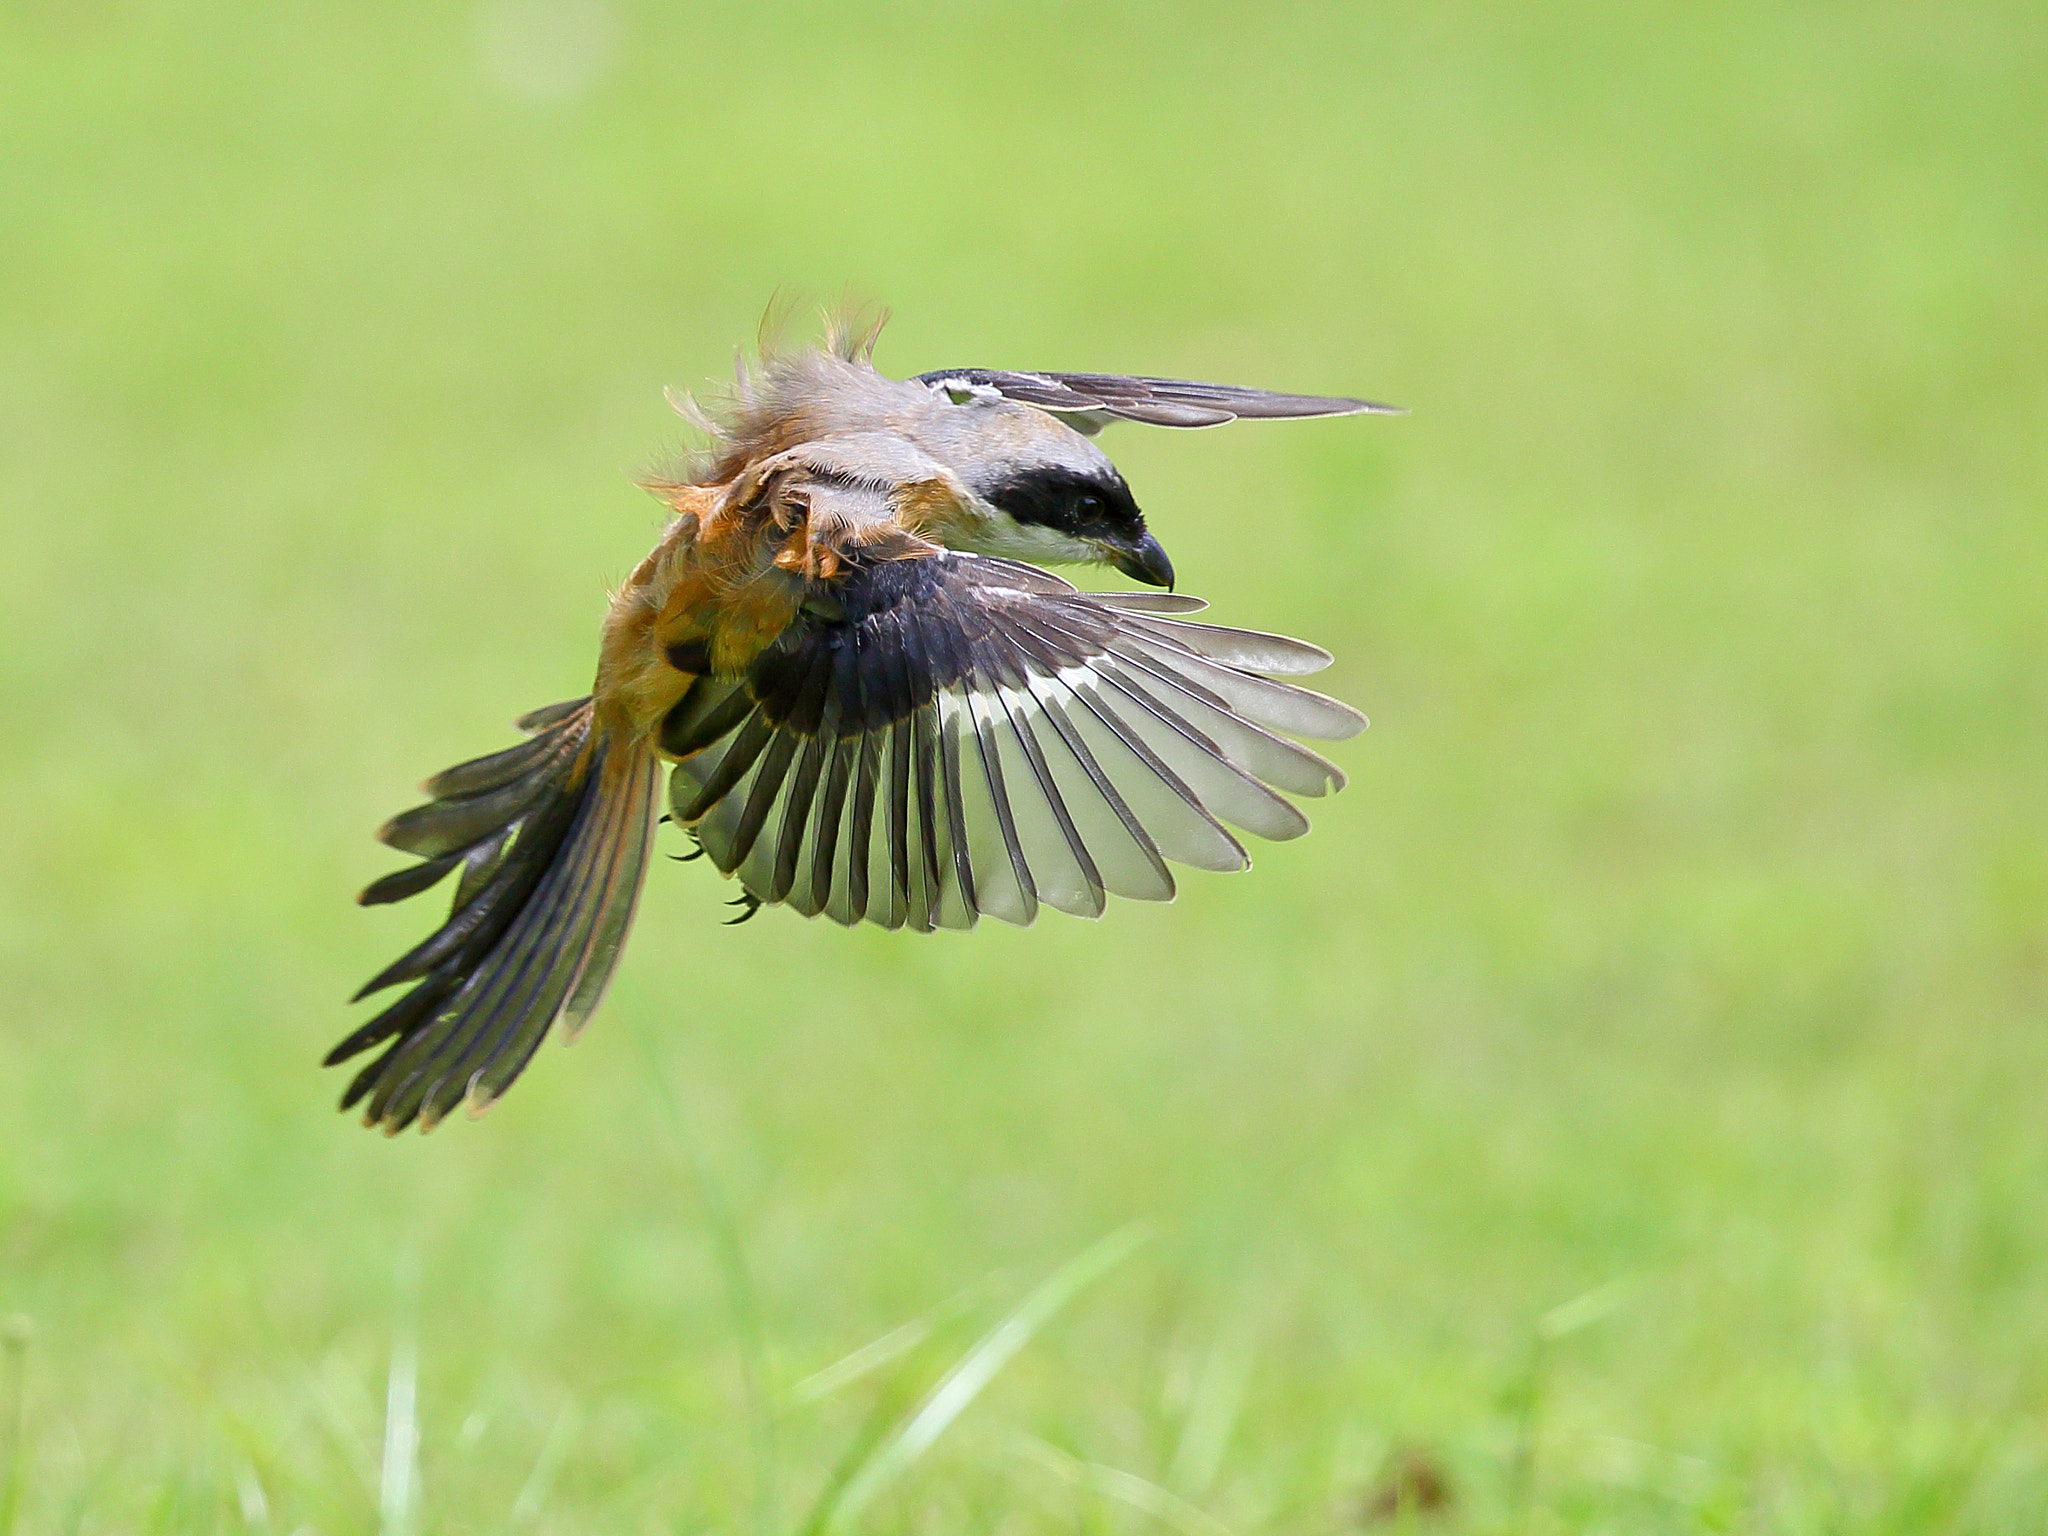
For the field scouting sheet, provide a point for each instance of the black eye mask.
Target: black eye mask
(1069, 502)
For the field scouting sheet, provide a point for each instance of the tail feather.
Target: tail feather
(410, 881)
(460, 818)
(558, 834)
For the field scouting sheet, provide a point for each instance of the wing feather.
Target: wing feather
(860, 832)
(1060, 866)
(1248, 649)
(828, 861)
(960, 890)
(1089, 401)
(1279, 762)
(1008, 888)
(957, 736)
(797, 819)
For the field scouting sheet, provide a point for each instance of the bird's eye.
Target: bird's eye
(1088, 506)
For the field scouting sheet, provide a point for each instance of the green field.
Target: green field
(1628, 1109)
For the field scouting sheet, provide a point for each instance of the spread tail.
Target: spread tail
(552, 839)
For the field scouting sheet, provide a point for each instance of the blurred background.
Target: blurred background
(1624, 1112)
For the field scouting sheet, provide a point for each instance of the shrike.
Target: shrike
(871, 702)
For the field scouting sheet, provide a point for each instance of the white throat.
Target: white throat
(998, 533)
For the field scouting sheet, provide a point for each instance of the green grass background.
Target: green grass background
(1683, 932)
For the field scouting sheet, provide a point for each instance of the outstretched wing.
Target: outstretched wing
(966, 735)
(1090, 401)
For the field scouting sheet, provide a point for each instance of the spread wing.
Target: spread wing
(964, 735)
(1090, 401)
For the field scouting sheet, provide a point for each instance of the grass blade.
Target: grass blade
(741, 1299)
(401, 1419)
(1595, 1306)
(14, 1405)
(1560, 1322)
(890, 1347)
(250, 1496)
(1212, 1416)
(540, 1482)
(856, 1456)
(976, 1369)
(1125, 1487)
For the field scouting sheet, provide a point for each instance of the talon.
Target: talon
(748, 900)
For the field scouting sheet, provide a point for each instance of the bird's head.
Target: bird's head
(1051, 497)
(1052, 513)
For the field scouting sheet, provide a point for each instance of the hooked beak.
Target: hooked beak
(1145, 561)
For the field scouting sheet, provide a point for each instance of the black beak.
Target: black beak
(1145, 561)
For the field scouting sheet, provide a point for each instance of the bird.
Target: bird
(870, 698)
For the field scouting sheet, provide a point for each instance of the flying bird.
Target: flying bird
(870, 700)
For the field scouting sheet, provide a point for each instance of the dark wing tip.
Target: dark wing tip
(1277, 406)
